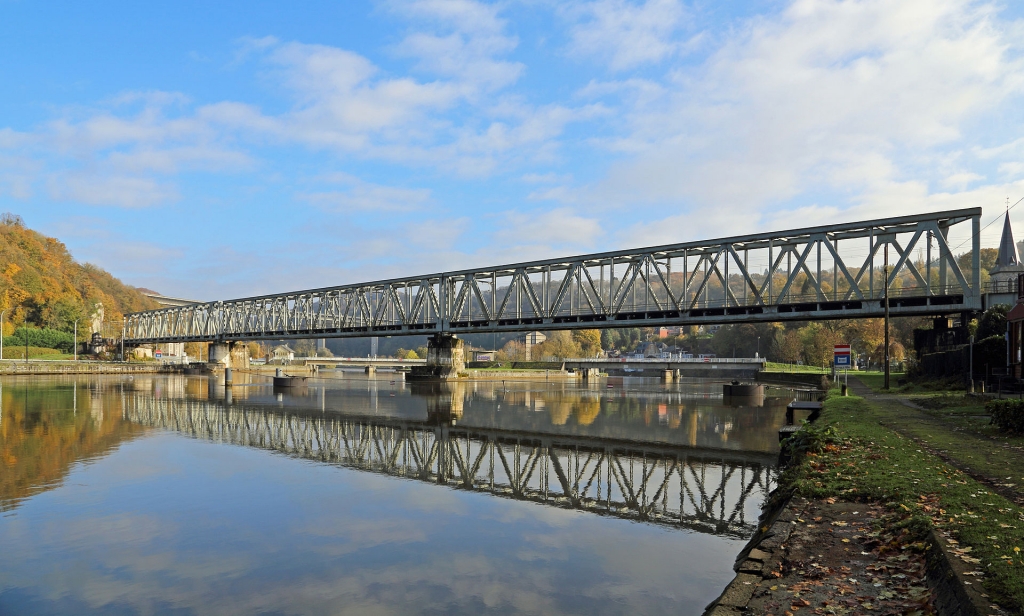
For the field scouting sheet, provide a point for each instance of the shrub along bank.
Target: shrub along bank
(44, 338)
(848, 454)
(1007, 414)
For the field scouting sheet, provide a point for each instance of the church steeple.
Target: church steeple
(1007, 249)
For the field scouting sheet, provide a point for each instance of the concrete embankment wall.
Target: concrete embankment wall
(795, 379)
(521, 374)
(10, 367)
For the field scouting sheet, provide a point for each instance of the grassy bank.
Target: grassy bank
(856, 453)
(18, 352)
(875, 379)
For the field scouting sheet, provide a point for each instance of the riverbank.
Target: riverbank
(881, 477)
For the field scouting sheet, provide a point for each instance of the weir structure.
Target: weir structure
(840, 271)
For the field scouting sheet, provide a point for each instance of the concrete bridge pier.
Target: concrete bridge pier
(371, 370)
(446, 358)
(668, 375)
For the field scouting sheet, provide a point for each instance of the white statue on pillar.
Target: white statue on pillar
(96, 319)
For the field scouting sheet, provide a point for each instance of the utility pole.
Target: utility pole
(885, 270)
(970, 385)
(76, 339)
(2, 313)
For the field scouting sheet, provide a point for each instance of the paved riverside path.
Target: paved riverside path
(823, 557)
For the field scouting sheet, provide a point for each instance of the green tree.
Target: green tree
(987, 259)
(589, 341)
(559, 345)
(62, 313)
(819, 340)
(256, 349)
(514, 350)
(992, 322)
(790, 345)
(304, 348)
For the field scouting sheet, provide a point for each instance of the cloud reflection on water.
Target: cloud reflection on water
(166, 523)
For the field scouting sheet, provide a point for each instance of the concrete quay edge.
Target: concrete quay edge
(15, 367)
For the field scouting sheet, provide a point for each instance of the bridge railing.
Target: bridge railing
(1001, 286)
(835, 271)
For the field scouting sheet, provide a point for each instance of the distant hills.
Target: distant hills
(42, 285)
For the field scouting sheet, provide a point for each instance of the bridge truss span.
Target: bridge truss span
(828, 272)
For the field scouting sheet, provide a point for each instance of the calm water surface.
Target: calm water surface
(356, 495)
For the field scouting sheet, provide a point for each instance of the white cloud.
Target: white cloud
(124, 150)
(360, 196)
(10, 139)
(626, 34)
(466, 39)
(16, 175)
(468, 58)
(462, 15)
(545, 178)
(119, 191)
(171, 160)
(828, 96)
(558, 229)
(341, 103)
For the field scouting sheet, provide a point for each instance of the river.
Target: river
(372, 495)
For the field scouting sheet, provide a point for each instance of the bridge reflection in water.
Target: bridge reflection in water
(701, 489)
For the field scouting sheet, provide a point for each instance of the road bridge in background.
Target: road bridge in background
(707, 490)
(649, 363)
(828, 272)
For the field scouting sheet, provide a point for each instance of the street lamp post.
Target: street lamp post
(76, 340)
(757, 353)
(885, 273)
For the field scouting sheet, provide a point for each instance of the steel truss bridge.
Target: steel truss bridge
(704, 490)
(828, 272)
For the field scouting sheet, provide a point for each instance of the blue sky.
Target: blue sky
(214, 150)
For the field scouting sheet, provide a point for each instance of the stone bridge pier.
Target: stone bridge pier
(228, 355)
(446, 358)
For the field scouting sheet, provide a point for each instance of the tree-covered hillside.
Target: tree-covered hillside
(41, 285)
